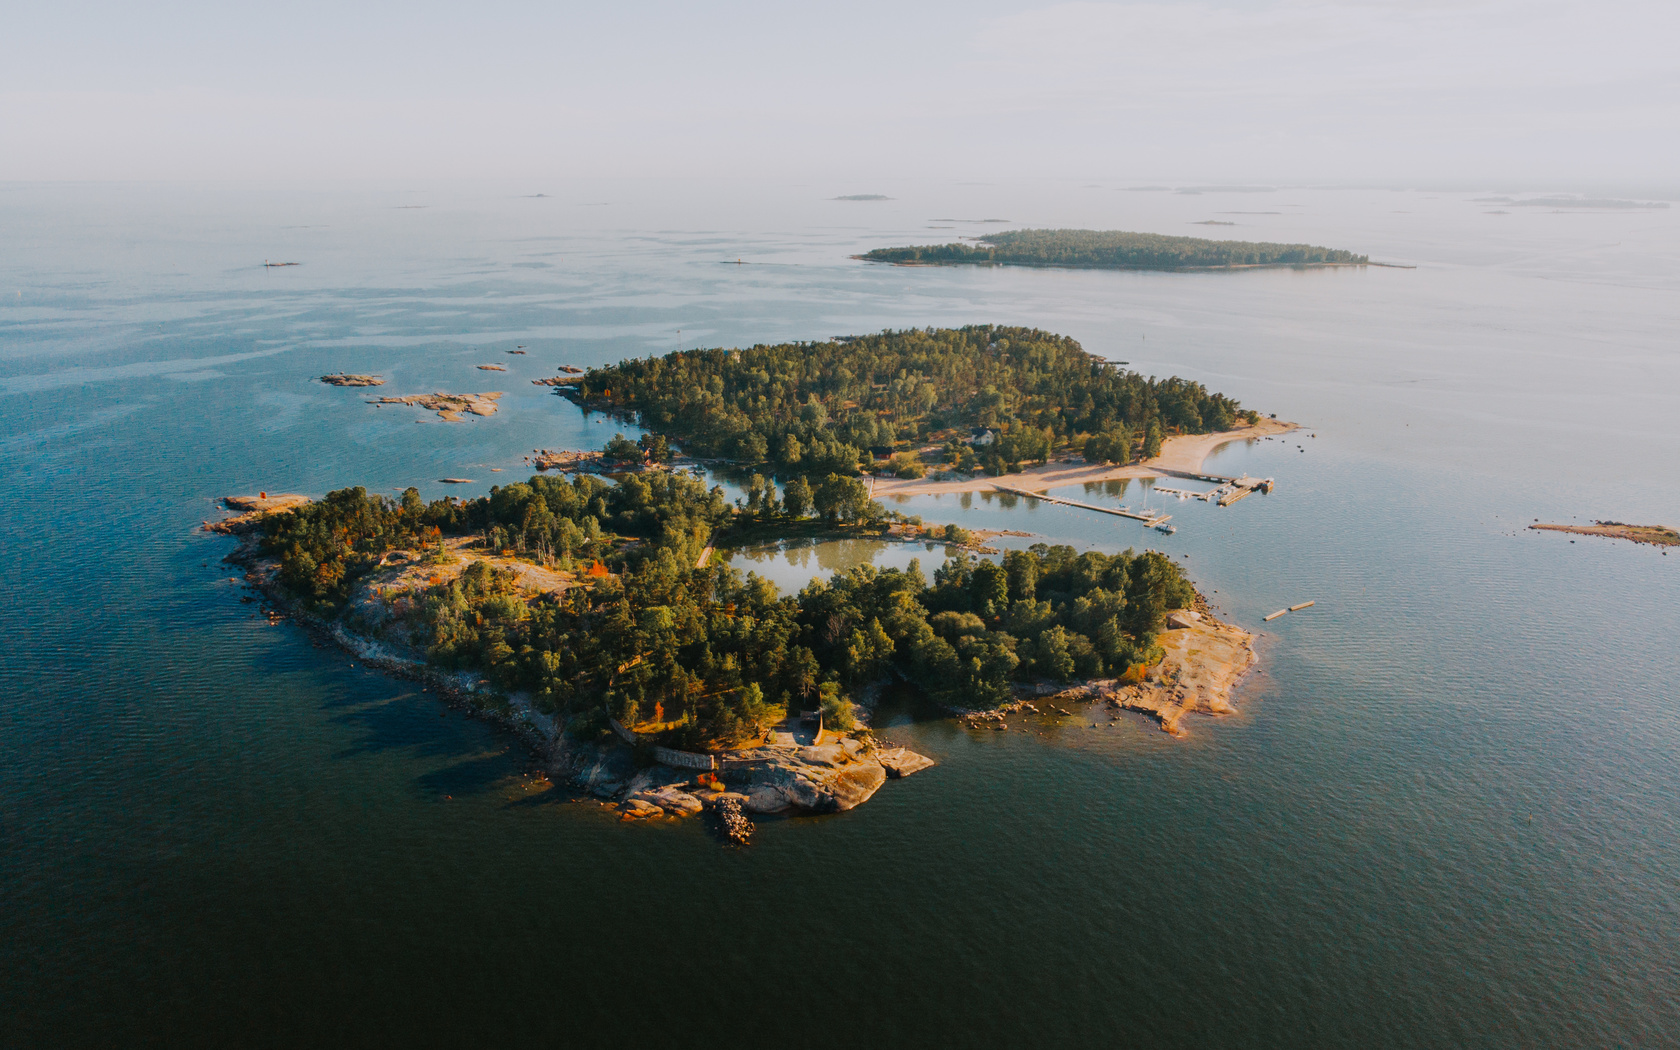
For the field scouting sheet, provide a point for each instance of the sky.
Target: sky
(1537, 92)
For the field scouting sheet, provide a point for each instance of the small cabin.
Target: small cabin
(981, 436)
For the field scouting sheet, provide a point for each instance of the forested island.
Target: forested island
(1116, 249)
(812, 409)
(588, 609)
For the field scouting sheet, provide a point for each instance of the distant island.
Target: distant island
(1656, 535)
(1117, 250)
(863, 197)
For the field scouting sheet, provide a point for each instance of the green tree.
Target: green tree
(988, 588)
(840, 498)
(796, 498)
(656, 446)
(622, 449)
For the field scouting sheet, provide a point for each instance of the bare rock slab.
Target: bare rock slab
(900, 762)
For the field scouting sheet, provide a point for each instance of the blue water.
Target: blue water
(1446, 814)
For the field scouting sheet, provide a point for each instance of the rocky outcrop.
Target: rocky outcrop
(831, 778)
(448, 406)
(827, 779)
(253, 509)
(353, 379)
(900, 762)
(1202, 665)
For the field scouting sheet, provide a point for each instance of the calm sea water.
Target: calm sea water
(1446, 815)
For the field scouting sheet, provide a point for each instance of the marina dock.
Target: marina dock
(1229, 491)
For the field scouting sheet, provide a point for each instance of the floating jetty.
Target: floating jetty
(1119, 512)
(1286, 612)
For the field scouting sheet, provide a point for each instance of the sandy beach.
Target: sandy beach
(1187, 453)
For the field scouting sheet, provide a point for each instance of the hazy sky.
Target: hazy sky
(1535, 91)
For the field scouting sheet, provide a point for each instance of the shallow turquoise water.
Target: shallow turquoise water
(1446, 814)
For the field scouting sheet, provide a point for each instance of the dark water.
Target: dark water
(1445, 816)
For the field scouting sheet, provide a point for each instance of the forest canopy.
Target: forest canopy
(1115, 249)
(816, 408)
(647, 634)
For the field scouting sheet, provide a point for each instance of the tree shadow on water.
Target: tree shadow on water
(470, 776)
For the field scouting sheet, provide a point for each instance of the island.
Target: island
(980, 398)
(1656, 535)
(1116, 250)
(587, 610)
(448, 406)
(353, 379)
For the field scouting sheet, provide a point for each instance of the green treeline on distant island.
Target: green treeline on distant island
(813, 409)
(707, 654)
(1115, 249)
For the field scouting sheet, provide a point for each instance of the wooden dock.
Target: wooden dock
(1119, 512)
(1229, 491)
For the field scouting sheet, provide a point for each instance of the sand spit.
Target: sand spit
(1186, 453)
(491, 368)
(448, 406)
(1656, 535)
(253, 509)
(353, 379)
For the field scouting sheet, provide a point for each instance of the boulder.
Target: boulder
(635, 808)
(901, 762)
(1183, 618)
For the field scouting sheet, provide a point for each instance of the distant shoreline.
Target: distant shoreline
(1150, 269)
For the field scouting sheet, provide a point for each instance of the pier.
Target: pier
(1229, 491)
(1120, 512)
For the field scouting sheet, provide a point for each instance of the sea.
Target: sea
(1446, 814)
